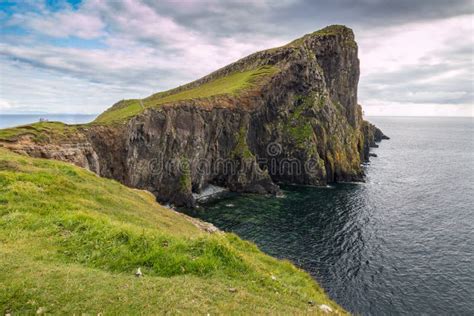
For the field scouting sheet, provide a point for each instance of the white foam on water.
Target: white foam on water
(209, 192)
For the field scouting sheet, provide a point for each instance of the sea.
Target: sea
(12, 120)
(401, 243)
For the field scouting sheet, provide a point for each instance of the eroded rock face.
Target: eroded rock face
(179, 150)
(303, 125)
(78, 151)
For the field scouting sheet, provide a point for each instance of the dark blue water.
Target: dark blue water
(401, 243)
(11, 120)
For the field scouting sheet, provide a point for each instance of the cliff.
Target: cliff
(283, 115)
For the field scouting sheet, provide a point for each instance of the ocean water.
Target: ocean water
(401, 243)
(12, 120)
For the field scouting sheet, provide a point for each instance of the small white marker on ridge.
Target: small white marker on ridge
(138, 273)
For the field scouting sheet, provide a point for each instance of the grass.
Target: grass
(233, 84)
(70, 243)
(40, 132)
(120, 111)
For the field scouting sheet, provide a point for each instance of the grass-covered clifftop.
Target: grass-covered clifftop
(230, 85)
(71, 241)
(40, 132)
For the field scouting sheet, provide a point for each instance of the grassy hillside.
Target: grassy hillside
(40, 132)
(229, 85)
(71, 241)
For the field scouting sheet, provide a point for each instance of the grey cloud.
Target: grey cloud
(293, 18)
(368, 13)
(449, 81)
(416, 85)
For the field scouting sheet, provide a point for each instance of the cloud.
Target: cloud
(380, 108)
(143, 49)
(5, 105)
(71, 24)
(33, 89)
(142, 53)
(61, 24)
(371, 14)
(84, 58)
(418, 63)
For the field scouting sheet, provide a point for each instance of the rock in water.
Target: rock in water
(283, 115)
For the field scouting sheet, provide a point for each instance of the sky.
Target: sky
(83, 56)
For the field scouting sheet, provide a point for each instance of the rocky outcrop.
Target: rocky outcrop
(300, 125)
(372, 136)
(77, 150)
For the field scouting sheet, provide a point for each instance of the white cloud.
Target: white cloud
(62, 24)
(395, 47)
(33, 89)
(413, 67)
(5, 105)
(384, 108)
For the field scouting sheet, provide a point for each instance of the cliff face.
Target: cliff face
(298, 123)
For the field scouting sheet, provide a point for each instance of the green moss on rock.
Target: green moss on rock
(185, 183)
(242, 149)
(299, 127)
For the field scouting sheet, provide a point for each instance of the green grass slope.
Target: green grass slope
(40, 132)
(232, 84)
(71, 241)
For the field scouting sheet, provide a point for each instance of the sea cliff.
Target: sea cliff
(284, 115)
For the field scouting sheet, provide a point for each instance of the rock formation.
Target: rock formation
(295, 119)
